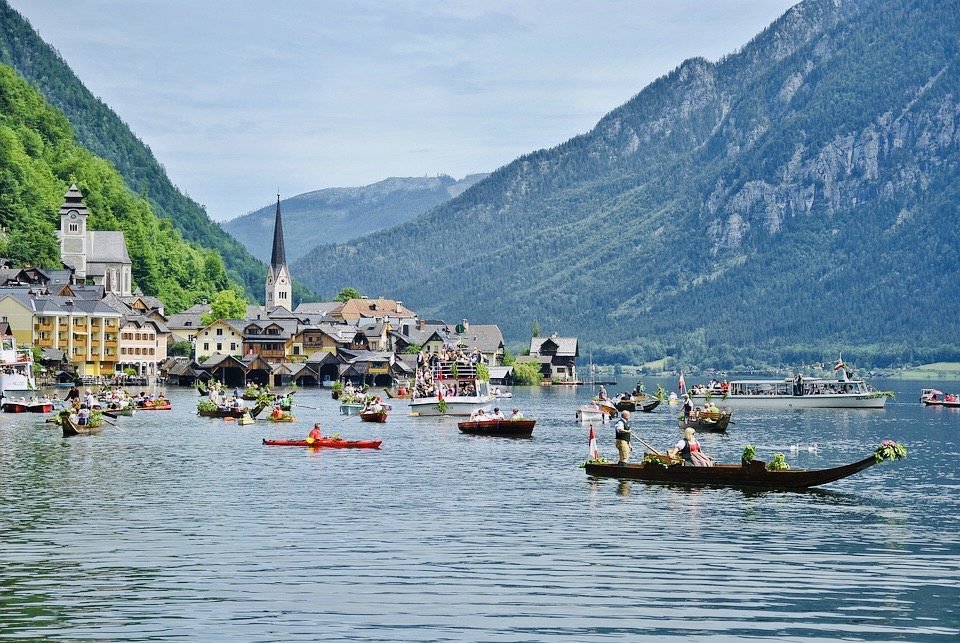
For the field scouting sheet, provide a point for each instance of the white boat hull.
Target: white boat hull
(840, 401)
(460, 406)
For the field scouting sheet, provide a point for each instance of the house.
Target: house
(223, 337)
(353, 310)
(557, 357)
(97, 257)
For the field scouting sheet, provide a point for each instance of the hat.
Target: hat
(688, 432)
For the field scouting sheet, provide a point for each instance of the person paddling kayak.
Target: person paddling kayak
(315, 433)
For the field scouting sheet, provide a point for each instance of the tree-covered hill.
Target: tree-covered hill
(797, 198)
(40, 158)
(101, 131)
(332, 215)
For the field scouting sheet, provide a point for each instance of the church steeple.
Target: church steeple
(278, 258)
(278, 277)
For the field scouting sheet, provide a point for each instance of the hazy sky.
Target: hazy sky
(240, 98)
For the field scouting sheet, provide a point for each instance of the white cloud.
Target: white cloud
(238, 98)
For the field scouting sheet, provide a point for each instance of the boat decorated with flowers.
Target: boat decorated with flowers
(451, 387)
(661, 468)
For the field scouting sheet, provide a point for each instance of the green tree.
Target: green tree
(227, 304)
(535, 329)
(182, 348)
(526, 373)
(346, 294)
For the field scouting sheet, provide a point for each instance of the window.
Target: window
(233, 346)
(206, 346)
(219, 347)
(219, 331)
(137, 337)
(74, 227)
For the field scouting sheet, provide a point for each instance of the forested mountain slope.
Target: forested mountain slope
(796, 198)
(332, 215)
(40, 158)
(101, 131)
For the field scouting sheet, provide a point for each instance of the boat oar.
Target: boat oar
(110, 415)
(308, 407)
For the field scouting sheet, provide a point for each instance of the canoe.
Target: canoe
(707, 422)
(350, 408)
(373, 416)
(753, 474)
(504, 428)
(223, 413)
(284, 418)
(326, 442)
(408, 395)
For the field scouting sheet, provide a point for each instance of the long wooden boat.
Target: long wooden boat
(395, 395)
(645, 403)
(28, 406)
(503, 428)
(753, 474)
(706, 422)
(329, 443)
(223, 413)
(71, 428)
(373, 416)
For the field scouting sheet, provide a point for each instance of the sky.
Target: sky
(240, 99)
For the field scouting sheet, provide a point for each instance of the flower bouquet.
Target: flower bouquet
(890, 450)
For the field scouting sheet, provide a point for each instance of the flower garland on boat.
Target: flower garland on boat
(778, 463)
(600, 460)
(890, 450)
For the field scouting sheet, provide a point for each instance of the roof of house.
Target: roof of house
(356, 308)
(106, 246)
(566, 346)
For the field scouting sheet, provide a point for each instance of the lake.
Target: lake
(174, 526)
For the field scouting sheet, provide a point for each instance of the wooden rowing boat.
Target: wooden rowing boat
(707, 422)
(330, 443)
(71, 428)
(502, 428)
(643, 402)
(754, 474)
(373, 416)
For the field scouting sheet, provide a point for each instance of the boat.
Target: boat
(330, 443)
(16, 369)
(799, 392)
(642, 402)
(222, 412)
(374, 416)
(351, 408)
(451, 387)
(929, 393)
(503, 428)
(591, 413)
(155, 405)
(286, 417)
(72, 428)
(245, 419)
(707, 421)
(32, 405)
(939, 398)
(399, 394)
(754, 474)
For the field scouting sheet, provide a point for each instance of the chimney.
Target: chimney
(399, 306)
(421, 324)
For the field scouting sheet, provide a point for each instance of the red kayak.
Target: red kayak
(326, 442)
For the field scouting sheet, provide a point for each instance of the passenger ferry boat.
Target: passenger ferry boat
(451, 388)
(800, 393)
(16, 369)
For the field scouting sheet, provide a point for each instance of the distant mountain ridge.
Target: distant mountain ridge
(333, 215)
(101, 131)
(796, 198)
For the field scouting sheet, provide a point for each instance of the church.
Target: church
(99, 257)
(278, 286)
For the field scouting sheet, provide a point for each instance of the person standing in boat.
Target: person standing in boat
(687, 406)
(72, 394)
(622, 436)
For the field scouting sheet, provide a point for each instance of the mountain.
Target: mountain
(40, 158)
(339, 214)
(796, 198)
(101, 131)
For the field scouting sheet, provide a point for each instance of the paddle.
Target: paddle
(110, 415)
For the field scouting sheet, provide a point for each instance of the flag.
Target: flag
(682, 384)
(594, 452)
(839, 365)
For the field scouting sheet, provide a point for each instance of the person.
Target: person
(73, 394)
(497, 414)
(688, 448)
(277, 412)
(687, 406)
(622, 436)
(478, 415)
(516, 415)
(603, 393)
(315, 433)
(83, 415)
(798, 385)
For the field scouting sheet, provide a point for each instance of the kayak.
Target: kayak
(326, 442)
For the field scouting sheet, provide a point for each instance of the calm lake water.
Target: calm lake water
(173, 526)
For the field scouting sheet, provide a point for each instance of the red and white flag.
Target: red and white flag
(594, 452)
(682, 384)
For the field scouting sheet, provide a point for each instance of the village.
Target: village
(91, 326)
